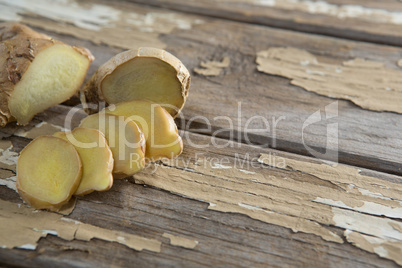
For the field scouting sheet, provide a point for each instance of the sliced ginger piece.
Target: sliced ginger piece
(96, 157)
(53, 77)
(125, 139)
(49, 171)
(36, 72)
(160, 130)
(147, 73)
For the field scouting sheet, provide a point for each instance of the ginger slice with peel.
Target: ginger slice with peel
(37, 72)
(125, 139)
(49, 171)
(147, 73)
(160, 130)
(96, 157)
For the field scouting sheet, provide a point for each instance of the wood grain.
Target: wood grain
(367, 139)
(225, 239)
(353, 19)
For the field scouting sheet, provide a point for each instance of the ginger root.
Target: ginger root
(160, 130)
(49, 171)
(147, 73)
(96, 157)
(36, 72)
(125, 139)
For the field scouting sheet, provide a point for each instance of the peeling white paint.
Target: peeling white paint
(331, 202)
(389, 248)
(338, 70)
(46, 232)
(381, 251)
(371, 239)
(219, 166)
(27, 246)
(9, 13)
(322, 78)
(247, 172)
(44, 125)
(92, 17)
(368, 193)
(368, 207)
(212, 205)
(347, 232)
(250, 207)
(269, 3)
(121, 239)
(21, 133)
(10, 183)
(308, 71)
(381, 210)
(53, 125)
(115, 25)
(70, 220)
(189, 169)
(366, 224)
(31, 228)
(8, 157)
(339, 11)
(304, 63)
(147, 22)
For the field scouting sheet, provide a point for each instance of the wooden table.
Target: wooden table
(276, 85)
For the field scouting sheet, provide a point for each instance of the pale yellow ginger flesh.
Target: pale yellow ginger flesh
(160, 130)
(96, 157)
(53, 77)
(144, 78)
(125, 139)
(147, 73)
(49, 171)
(36, 72)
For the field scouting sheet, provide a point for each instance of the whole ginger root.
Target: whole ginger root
(36, 72)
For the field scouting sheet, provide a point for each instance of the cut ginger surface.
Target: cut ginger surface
(147, 73)
(53, 77)
(96, 157)
(125, 138)
(49, 171)
(36, 72)
(160, 130)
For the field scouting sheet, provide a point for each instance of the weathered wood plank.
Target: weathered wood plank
(367, 139)
(248, 208)
(226, 239)
(372, 21)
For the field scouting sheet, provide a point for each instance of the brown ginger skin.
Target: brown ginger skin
(19, 45)
(92, 91)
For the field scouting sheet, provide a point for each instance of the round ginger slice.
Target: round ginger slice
(160, 130)
(96, 157)
(125, 138)
(49, 171)
(147, 73)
